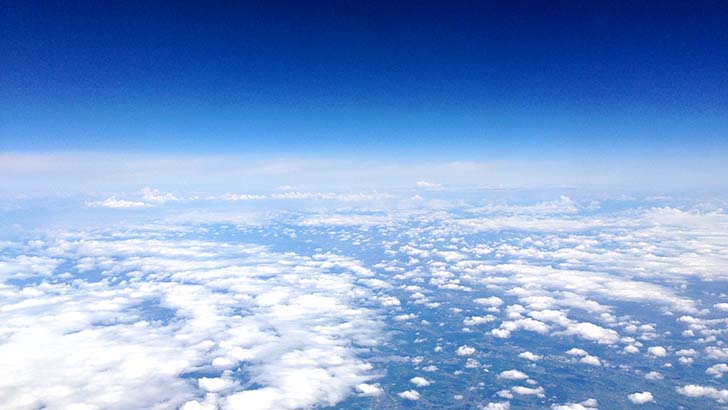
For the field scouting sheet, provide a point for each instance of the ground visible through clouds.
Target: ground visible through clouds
(426, 299)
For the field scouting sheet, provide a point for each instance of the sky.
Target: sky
(625, 84)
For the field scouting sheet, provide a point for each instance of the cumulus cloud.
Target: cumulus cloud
(641, 397)
(589, 404)
(465, 350)
(503, 405)
(694, 390)
(530, 356)
(657, 351)
(513, 375)
(409, 395)
(420, 381)
(717, 370)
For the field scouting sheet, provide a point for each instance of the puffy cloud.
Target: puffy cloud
(695, 390)
(409, 395)
(717, 370)
(653, 375)
(366, 389)
(657, 351)
(717, 353)
(478, 320)
(589, 404)
(530, 356)
(420, 381)
(465, 350)
(721, 306)
(641, 397)
(503, 405)
(513, 375)
(592, 332)
(494, 301)
(584, 356)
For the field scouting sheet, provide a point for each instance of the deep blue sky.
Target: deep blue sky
(464, 79)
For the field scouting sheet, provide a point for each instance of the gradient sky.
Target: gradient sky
(467, 80)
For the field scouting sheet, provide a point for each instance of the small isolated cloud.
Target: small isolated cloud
(409, 395)
(530, 356)
(513, 375)
(420, 381)
(641, 397)
(528, 391)
(654, 376)
(366, 389)
(465, 350)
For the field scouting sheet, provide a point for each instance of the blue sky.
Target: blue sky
(470, 81)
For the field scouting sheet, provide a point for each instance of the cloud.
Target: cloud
(409, 395)
(503, 405)
(420, 381)
(530, 356)
(694, 390)
(528, 391)
(641, 397)
(114, 203)
(513, 375)
(465, 350)
(163, 309)
(589, 404)
(366, 389)
(426, 184)
(717, 370)
(657, 351)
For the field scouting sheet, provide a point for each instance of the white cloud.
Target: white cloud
(653, 375)
(220, 306)
(717, 353)
(717, 370)
(494, 301)
(420, 381)
(589, 404)
(657, 351)
(409, 395)
(478, 320)
(528, 391)
(721, 306)
(465, 350)
(641, 397)
(113, 202)
(694, 390)
(366, 389)
(530, 356)
(503, 405)
(513, 375)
